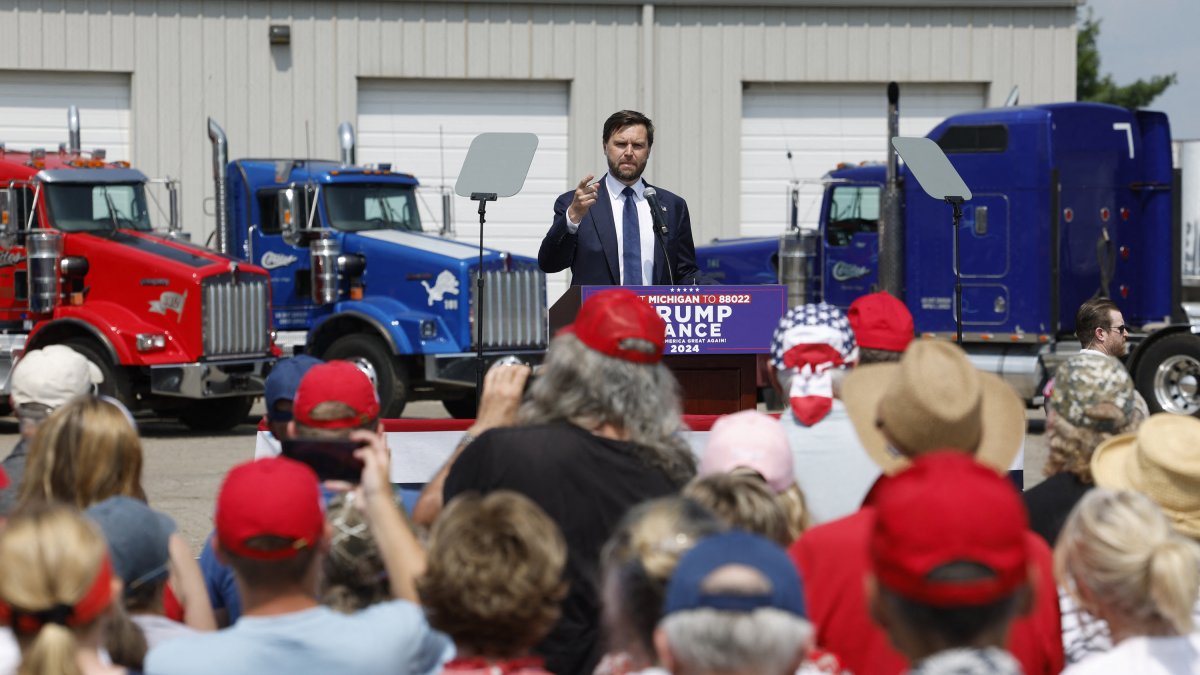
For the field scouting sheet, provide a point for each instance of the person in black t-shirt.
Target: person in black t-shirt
(597, 434)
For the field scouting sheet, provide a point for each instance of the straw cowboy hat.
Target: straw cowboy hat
(934, 399)
(1160, 460)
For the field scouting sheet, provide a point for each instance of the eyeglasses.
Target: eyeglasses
(1124, 329)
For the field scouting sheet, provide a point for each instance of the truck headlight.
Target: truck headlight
(151, 342)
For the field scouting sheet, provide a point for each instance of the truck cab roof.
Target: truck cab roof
(65, 167)
(1068, 135)
(267, 170)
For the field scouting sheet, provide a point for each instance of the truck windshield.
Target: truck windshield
(353, 208)
(852, 209)
(76, 207)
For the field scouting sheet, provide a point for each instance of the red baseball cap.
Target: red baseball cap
(339, 381)
(948, 508)
(619, 324)
(880, 321)
(276, 497)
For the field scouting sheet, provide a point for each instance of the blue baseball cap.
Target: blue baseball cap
(735, 547)
(283, 382)
(138, 539)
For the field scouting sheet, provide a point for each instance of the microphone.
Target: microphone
(656, 210)
(660, 227)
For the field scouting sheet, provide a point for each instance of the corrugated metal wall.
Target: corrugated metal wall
(191, 59)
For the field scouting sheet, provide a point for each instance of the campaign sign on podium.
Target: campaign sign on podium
(714, 319)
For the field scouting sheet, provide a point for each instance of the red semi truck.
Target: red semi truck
(175, 328)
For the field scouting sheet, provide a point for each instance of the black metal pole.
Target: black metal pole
(956, 204)
(483, 198)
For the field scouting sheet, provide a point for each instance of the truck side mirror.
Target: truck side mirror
(10, 215)
(298, 220)
(289, 214)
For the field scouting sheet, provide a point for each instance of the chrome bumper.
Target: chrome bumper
(459, 369)
(210, 380)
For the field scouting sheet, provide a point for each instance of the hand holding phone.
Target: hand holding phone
(376, 458)
(331, 459)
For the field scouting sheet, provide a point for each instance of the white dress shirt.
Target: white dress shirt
(645, 225)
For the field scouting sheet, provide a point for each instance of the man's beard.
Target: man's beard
(626, 175)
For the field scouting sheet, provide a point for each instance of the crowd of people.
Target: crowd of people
(869, 528)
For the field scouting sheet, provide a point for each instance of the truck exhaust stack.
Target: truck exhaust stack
(346, 141)
(891, 226)
(74, 144)
(220, 160)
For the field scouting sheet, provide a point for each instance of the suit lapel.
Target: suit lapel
(606, 228)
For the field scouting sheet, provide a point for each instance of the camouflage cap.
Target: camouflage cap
(1093, 391)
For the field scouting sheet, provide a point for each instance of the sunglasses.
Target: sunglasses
(1123, 329)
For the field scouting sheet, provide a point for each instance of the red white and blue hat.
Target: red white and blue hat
(811, 341)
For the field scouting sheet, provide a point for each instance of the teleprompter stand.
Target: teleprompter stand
(495, 167)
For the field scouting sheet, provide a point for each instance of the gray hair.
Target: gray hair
(588, 389)
(765, 641)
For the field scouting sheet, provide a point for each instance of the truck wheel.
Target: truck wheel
(216, 414)
(116, 379)
(462, 408)
(1168, 375)
(372, 357)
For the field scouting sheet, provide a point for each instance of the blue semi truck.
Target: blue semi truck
(355, 277)
(1070, 200)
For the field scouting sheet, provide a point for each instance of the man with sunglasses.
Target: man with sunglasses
(1101, 328)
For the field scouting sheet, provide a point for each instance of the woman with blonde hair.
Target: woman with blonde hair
(85, 452)
(1123, 562)
(57, 591)
(752, 443)
(88, 450)
(636, 564)
(743, 501)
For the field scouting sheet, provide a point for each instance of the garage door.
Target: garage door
(425, 128)
(820, 126)
(33, 110)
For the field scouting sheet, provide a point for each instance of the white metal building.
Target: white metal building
(733, 87)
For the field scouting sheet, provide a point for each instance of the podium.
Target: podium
(714, 334)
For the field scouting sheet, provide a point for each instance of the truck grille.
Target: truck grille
(236, 316)
(514, 309)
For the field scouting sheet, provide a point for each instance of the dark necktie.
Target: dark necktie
(631, 255)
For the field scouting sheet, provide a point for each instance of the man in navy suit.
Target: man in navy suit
(605, 232)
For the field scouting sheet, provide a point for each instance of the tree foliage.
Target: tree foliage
(1090, 85)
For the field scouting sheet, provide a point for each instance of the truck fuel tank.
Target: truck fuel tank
(1018, 365)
